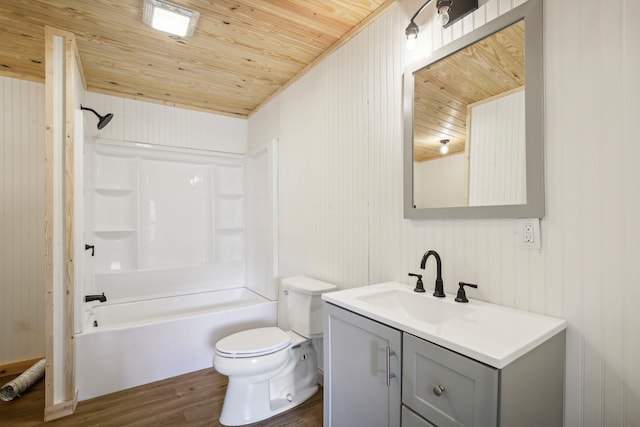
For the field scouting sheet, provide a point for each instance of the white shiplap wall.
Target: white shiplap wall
(497, 164)
(341, 189)
(21, 220)
(138, 121)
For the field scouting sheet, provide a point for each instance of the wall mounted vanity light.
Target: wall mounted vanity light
(169, 17)
(102, 120)
(449, 12)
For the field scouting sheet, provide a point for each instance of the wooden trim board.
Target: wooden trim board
(17, 367)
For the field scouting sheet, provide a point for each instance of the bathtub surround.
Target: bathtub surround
(162, 218)
(168, 226)
(133, 343)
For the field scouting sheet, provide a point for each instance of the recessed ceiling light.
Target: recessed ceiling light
(169, 17)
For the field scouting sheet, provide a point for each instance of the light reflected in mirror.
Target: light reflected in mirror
(473, 100)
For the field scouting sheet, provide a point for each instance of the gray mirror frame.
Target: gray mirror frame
(531, 12)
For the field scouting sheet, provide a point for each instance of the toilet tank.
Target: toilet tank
(304, 304)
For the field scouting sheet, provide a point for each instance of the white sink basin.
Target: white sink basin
(416, 306)
(493, 334)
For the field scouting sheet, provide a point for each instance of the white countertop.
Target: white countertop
(490, 333)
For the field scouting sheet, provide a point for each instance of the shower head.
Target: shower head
(102, 120)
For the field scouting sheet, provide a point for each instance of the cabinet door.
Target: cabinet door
(446, 388)
(362, 360)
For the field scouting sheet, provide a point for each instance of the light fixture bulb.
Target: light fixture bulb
(443, 15)
(411, 32)
(444, 148)
(411, 43)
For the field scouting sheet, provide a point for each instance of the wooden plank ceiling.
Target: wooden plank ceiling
(443, 90)
(242, 53)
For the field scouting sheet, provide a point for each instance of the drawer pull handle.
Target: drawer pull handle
(438, 390)
(389, 374)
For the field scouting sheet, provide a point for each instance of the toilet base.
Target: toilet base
(255, 398)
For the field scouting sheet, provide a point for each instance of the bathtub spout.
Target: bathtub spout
(101, 298)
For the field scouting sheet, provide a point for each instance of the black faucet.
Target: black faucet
(100, 298)
(438, 291)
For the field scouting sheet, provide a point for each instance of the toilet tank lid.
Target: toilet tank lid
(307, 285)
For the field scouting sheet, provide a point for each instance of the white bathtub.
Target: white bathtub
(140, 342)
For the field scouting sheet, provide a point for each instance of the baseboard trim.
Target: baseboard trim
(16, 368)
(321, 377)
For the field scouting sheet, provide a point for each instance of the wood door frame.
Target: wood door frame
(60, 96)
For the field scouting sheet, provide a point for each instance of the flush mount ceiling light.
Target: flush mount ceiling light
(449, 12)
(169, 17)
(444, 148)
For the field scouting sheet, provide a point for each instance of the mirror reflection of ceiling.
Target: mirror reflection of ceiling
(444, 89)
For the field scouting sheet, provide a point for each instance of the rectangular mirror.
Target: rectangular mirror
(473, 123)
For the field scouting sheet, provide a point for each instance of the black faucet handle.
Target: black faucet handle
(419, 285)
(462, 295)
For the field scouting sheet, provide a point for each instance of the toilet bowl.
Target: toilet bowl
(270, 370)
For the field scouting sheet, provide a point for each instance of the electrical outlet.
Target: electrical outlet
(529, 233)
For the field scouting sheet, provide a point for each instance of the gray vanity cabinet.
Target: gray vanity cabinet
(367, 364)
(447, 388)
(443, 388)
(362, 360)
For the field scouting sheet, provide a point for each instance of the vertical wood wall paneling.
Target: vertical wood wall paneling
(22, 243)
(145, 122)
(625, 292)
(587, 270)
(501, 144)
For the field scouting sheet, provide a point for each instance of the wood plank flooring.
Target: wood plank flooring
(194, 399)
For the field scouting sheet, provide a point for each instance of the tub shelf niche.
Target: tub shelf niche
(155, 208)
(116, 250)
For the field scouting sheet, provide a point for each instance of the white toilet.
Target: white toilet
(270, 370)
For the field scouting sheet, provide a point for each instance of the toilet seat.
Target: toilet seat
(253, 343)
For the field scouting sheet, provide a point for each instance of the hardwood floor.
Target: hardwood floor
(193, 399)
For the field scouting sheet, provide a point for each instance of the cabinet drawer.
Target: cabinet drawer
(446, 388)
(411, 419)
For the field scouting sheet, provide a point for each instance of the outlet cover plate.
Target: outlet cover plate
(528, 233)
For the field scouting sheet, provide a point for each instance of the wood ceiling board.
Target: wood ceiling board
(242, 52)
